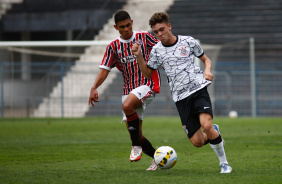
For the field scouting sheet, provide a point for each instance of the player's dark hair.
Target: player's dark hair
(159, 17)
(121, 15)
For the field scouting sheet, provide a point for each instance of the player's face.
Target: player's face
(163, 32)
(125, 28)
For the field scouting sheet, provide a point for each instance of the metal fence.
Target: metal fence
(231, 91)
(64, 86)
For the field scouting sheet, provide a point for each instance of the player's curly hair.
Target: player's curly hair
(159, 17)
(121, 15)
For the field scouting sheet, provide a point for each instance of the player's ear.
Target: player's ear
(115, 26)
(169, 26)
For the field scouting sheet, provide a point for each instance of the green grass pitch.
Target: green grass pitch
(96, 150)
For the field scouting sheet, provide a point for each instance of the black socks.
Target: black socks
(147, 147)
(216, 140)
(133, 127)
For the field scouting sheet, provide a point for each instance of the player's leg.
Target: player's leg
(203, 103)
(199, 138)
(216, 141)
(129, 105)
(135, 104)
(140, 130)
(190, 122)
(145, 95)
(206, 124)
(145, 144)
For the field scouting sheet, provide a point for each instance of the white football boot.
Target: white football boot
(225, 168)
(136, 153)
(153, 166)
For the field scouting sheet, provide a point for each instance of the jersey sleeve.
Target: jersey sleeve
(196, 47)
(154, 62)
(109, 59)
(151, 40)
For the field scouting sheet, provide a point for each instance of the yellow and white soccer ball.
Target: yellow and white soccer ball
(165, 157)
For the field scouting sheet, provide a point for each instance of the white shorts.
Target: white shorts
(143, 93)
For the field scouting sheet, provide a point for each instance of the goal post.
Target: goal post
(53, 43)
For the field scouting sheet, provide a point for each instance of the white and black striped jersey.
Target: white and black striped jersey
(183, 75)
(118, 54)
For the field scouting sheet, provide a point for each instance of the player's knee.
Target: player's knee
(127, 107)
(198, 143)
(206, 122)
(207, 127)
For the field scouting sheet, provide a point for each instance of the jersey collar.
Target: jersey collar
(129, 40)
(171, 44)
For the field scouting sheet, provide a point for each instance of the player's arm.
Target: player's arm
(93, 97)
(136, 50)
(208, 65)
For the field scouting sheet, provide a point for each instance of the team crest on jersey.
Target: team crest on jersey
(183, 51)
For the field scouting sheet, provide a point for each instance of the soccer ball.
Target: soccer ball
(233, 114)
(165, 157)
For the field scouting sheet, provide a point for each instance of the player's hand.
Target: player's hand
(93, 97)
(208, 75)
(136, 49)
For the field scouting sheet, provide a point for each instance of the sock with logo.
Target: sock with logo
(147, 147)
(133, 127)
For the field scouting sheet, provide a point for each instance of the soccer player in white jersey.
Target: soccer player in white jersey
(138, 91)
(188, 84)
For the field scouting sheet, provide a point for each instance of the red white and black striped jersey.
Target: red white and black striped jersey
(118, 54)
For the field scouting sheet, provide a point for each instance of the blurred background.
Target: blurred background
(243, 38)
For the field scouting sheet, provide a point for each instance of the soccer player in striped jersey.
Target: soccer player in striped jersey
(138, 91)
(188, 84)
